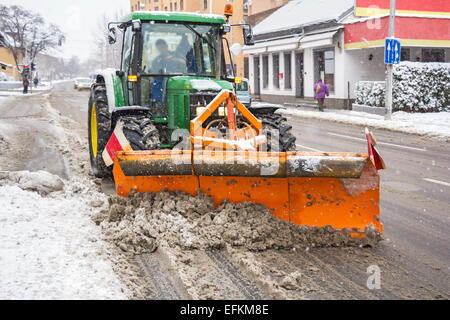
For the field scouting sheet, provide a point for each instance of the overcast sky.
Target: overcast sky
(77, 19)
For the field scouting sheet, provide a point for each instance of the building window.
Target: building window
(156, 8)
(181, 5)
(265, 72)
(433, 55)
(276, 71)
(205, 4)
(175, 6)
(405, 54)
(287, 71)
(171, 6)
(324, 67)
(246, 68)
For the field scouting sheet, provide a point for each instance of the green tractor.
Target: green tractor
(172, 66)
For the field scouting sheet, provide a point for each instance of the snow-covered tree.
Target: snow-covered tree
(26, 33)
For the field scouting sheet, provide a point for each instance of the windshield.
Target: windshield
(179, 49)
(243, 86)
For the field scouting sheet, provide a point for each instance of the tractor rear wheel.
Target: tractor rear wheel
(276, 122)
(140, 132)
(99, 131)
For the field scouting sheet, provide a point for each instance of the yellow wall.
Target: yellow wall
(7, 57)
(239, 16)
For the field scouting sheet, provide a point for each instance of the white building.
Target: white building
(305, 41)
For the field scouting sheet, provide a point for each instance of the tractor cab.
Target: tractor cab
(173, 60)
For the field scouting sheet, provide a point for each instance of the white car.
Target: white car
(83, 83)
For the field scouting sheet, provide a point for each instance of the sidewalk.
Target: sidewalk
(431, 125)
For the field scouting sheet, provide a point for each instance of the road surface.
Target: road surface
(415, 205)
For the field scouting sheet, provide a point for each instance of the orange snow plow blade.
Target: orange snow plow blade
(314, 189)
(340, 190)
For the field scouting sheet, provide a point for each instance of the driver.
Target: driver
(167, 62)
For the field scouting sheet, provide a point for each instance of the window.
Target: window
(171, 6)
(405, 54)
(181, 5)
(205, 4)
(265, 71)
(287, 71)
(276, 70)
(175, 6)
(324, 67)
(433, 55)
(156, 8)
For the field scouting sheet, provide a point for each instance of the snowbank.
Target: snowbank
(49, 247)
(436, 125)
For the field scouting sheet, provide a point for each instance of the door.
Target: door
(299, 75)
(256, 73)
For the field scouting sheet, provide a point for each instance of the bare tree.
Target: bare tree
(107, 55)
(26, 33)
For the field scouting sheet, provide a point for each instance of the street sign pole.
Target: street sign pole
(390, 67)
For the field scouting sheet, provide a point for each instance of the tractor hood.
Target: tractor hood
(198, 84)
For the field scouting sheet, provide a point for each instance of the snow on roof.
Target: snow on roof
(297, 13)
(6, 64)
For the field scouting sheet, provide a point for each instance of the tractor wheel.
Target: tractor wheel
(286, 139)
(141, 133)
(99, 131)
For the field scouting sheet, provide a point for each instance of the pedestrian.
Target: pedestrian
(321, 90)
(25, 80)
(36, 80)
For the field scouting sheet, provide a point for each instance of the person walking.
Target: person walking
(321, 90)
(25, 80)
(36, 80)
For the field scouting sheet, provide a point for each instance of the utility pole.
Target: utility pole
(390, 67)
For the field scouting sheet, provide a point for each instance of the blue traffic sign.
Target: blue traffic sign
(392, 51)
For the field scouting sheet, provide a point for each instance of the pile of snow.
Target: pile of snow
(42, 182)
(418, 87)
(49, 246)
(434, 125)
(143, 222)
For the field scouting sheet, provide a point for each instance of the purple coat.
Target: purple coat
(323, 90)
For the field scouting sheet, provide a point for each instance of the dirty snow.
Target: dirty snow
(436, 125)
(50, 249)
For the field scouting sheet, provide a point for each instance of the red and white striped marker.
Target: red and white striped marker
(374, 154)
(118, 142)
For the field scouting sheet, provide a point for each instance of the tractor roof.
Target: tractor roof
(174, 16)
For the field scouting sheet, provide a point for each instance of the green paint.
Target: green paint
(118, 91)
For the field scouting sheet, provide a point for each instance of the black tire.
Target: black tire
(286, 138)
(99, 102)
(141, 132)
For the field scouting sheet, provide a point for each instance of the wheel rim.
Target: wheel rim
(94, 131)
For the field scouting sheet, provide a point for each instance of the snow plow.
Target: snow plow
(171, 121)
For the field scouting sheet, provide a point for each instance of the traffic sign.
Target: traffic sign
(392, 51)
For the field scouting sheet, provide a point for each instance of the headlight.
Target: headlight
(199, 110)
(221, 111)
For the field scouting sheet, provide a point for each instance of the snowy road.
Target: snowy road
(414, 260)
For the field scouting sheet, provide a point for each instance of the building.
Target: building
(8, 64)
(260, 9)
(341, 43)
(240, 15)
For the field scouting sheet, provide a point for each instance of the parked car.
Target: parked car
(244, 92)
(83, 83)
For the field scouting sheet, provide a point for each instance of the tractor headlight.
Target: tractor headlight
(221, 111)
(199, 110)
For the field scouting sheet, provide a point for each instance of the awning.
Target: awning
(318, 40)
(287, 44)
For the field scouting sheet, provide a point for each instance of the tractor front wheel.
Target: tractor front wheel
(99, 131)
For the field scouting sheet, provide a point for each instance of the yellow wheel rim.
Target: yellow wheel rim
(94, 131)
